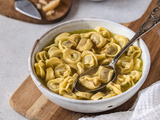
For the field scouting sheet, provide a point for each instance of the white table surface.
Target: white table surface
(17, 39)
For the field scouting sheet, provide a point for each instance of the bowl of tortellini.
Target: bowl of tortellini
(71, 48)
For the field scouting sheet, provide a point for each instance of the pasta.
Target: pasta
(103, 75)
(89, 59)
(71, 54)
(84, 44)
(54, 52)
(121, 40)
(111, 49)
(98, 40)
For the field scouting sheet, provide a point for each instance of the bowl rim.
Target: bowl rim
(39, 84)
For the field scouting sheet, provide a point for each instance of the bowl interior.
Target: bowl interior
(91, 24)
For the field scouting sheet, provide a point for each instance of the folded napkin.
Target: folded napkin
(146, 107)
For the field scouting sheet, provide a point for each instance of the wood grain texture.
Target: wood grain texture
(29, 102)
(7, 8)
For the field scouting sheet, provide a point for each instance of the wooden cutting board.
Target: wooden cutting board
(31, 103)
(7, 8)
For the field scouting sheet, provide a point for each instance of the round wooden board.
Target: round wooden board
(7, 8)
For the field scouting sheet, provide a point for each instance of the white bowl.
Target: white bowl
(88, 106)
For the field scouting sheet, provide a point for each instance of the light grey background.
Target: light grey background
(17, 39)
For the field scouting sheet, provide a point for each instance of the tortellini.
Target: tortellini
(71, 95)
(125, 64)
(98, 40)
(110, 94)
(41, 56)
(53, 62)
(116, 88)
(66, 44)
(61, 37)
(111, 49)
(104, 32)
(49, 74)
(71, 56)
(135, 75)
(84, 44)
(121, 40)
(87, 35)
(40, 69)
(90, 82)
(75, 37)
(103, 75)
(97, 96)
(105, 61)
(66, 86)
(80, 68)
(61, 63)
(83, 95)
(62, 70)
(89, 59)
(134, 52)
(125, 80)
(48, 47)
(137, 64)
(54, 52)
(53, 84)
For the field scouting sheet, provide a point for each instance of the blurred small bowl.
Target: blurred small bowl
(88, 106)
(96, 0)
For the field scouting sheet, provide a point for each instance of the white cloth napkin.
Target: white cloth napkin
(146, 107)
